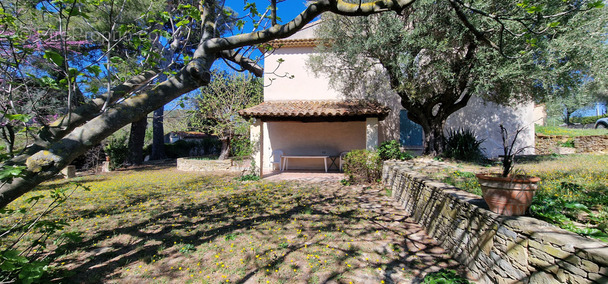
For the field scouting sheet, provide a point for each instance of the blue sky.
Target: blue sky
(286, 9)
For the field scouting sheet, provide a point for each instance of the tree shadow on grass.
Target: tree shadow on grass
(349, 224)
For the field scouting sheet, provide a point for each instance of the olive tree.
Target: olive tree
(436, 68)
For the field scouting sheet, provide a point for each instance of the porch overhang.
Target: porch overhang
(316, 111)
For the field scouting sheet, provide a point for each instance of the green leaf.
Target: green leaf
(597, 4)
(116, 59)
(239, 24)
(19, 117)
(74, 73)
(34, 198)
(532, 42)
(10, 172)
(13, 257)
(54, 57)
(182, 22)
(534, 9)
(49, 82)
(577, 206)
(95, 69)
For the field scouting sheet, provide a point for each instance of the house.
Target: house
(302, 115)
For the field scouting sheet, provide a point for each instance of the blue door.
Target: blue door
(410, 132)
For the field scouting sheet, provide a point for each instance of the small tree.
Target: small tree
(219, 102)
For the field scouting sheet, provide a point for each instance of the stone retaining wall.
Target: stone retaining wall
(549, 144)
(192, 164)
(495, 248)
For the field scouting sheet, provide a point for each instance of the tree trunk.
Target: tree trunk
(158, 133)
(136, 142)
(567, 116)
(434, 139)
(8, 134)
(225, 153)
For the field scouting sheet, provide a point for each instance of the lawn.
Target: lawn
(572, 132)
(572, 193)
(164, 226)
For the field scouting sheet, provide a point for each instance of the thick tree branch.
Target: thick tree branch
(244, 62)
(82, 114)
(315, 9)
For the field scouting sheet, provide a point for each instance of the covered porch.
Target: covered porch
(311, 135)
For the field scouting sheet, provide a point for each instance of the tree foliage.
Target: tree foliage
(495, 53)
(218, 104)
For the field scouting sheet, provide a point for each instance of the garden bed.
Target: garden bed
(571, 193)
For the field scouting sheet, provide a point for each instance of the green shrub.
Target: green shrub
(405, 156)
(463, 145)
(390, 150)
(118, 150)
(444, 276)
(463, 180)
(251, 174)
(362, 166)
(248, 177)
(568, 144)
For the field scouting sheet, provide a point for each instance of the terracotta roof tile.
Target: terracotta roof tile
(304, 42)
(316, 109)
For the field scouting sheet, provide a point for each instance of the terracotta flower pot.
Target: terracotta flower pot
(510, 196)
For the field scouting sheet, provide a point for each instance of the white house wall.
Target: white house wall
(303, 86)
(485, 118)
(312, 138)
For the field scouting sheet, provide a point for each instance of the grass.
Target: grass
(165, 226)
(571, 195)
(572, 132)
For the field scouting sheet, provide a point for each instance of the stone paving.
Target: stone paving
(421, 254)
(305, 176)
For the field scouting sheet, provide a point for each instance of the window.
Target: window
(410, 132)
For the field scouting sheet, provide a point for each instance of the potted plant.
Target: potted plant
(508, 193)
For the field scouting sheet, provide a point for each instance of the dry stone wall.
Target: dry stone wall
(549, 144)
(190, 164)
(495, 248)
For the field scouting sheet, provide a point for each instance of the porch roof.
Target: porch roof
(330, 110)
